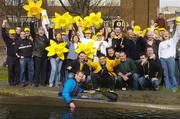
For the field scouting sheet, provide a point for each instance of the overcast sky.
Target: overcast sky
(164, 3)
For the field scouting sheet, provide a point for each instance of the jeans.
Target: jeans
(55, 70)
(30, 66)
(144, 83)
(168, 66)
(178, 71)
(133, 80)
(13, 70)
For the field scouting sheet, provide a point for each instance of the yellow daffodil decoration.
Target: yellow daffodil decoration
(94, 19)
(87, 49)
(34, 9)
(58, 49)
(62, 21)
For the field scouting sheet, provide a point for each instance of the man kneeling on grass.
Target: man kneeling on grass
(71, 88)
(150, 73)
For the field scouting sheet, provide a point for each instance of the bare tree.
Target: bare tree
(80, 7)
(12, 10)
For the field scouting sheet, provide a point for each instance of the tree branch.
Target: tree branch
(70, 11)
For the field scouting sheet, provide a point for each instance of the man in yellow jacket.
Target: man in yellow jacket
(103, 72)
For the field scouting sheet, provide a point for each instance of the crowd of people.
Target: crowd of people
(126, 57)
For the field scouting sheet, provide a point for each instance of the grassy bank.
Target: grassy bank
(3, 73)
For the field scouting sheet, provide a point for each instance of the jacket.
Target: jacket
(68, 88)
(151, 68)
(135, 48)
(76, 67)
(110, 65)
(24, 48)
(40, 43)
(10, 43)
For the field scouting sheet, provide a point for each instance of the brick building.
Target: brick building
(142, 11)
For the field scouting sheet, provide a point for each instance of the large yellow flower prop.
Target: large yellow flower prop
(88, 49)
(94, 19)
(78, 20)
(58, 49)
(62, 21)
(34, 9)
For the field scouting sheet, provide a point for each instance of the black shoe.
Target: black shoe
(25, 84)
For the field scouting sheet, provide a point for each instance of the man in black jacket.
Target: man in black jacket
(79, 65)
(40, 55)
(12, 60)
(24, 53)
(135, 45)
(150, 73)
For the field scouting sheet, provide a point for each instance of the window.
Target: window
(56, 2)
(93, 2)
(14, 2)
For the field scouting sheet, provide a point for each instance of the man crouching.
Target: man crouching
(71, 88)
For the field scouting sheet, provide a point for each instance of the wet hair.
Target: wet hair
(78, 72)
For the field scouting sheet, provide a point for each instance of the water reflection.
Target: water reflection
(49, 112)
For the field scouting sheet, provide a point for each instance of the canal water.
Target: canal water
(53, 112)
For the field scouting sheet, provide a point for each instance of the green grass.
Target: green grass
(3, 68)
(3, 73)
(3, 76)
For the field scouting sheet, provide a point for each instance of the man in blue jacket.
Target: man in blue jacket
(71, 88)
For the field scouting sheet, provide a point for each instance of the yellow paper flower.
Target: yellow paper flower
(94, 37)
(88, 49)
(58, 49)
(59, 21)
(34, 9)
(96, 19)
(77, 20)
(62, 21)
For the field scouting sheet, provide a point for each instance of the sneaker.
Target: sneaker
(97, 89)
(50, 85)
(111, 91)
(124, 89)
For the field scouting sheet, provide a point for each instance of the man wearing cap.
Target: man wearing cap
(86, 37)
(12, 60)
(101, 45)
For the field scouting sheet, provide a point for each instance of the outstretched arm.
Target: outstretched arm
(4, 32)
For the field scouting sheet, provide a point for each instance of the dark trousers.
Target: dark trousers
(13, 70)
(99, 79)
(40, 68)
